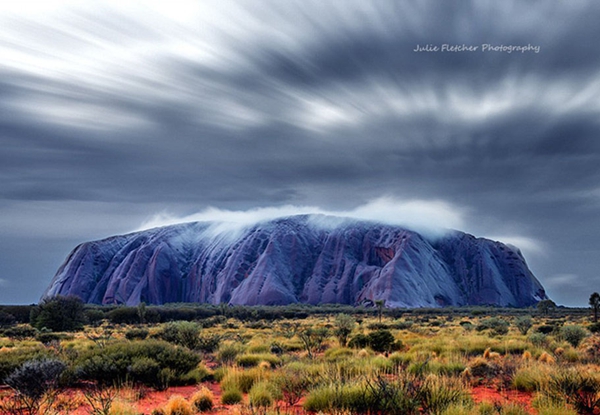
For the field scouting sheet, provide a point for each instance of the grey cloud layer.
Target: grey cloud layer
(237, 105)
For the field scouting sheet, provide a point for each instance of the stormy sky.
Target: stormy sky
(119, 115)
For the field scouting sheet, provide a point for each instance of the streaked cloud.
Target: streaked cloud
(112, 111)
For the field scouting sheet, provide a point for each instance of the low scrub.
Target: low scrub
(151, 363)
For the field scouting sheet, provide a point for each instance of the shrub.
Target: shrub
(523, 324)
(293, 383)
(115, 362)
(496, 325)
(36, 377)
(538, 339)
(144, 370)
(123, 315)
(381, 340)
(59, 314)
(545, 329)
(36, 383)
(228, 352)
(203, 400)
(360, 341)
(594, 328)
(47, 338)
(344, 324)
(231, 396)
(260, 395)
(573, 334)
(94, 316)
(183, 333)
(11, 360)
(177, 405)
(136, 334)
(20, 332)
(7, 319)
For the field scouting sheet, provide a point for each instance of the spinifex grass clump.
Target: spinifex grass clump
(241, 379)
(577, 386)
(261, 395)
(437, 393)
(202, 400)
(177, 405)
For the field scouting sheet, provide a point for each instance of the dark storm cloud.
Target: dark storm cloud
(111, 113)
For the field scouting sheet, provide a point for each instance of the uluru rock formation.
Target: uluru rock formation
(311, 259)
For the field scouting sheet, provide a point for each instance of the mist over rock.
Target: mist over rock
(311, 259)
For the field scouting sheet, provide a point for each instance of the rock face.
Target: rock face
(309, 259)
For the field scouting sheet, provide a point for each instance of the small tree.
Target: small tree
(545, 306)
(523, 324)
(380, 304)
(141, 311)
(344, 326)
(595, 304)
(312, 339)
(59, 313)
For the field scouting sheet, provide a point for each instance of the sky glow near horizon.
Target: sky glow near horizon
(122, 114)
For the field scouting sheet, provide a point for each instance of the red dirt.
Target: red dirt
(492, 395)
(156, 399)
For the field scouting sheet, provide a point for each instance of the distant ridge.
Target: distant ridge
(300, 259)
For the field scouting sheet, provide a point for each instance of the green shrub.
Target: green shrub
(228, 352)
(594, 328)
(573, 334)
(523, 324)
(360, 341)
(20, 332)
(184, 333)
(144, 370)
(136, 334)
(123, 315)
(496, 325)
(12, 359)
(47, 338)
(231, 396)
(344, 324)
(545, 329)
(7, 319)
(381, 340)
(114, 363)
(292, 383)
(538, 339)
(260, 395)
(59, 314)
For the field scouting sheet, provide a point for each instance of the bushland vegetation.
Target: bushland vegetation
(71, 358)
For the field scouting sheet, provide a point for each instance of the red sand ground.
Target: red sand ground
(156, 399)
(492, 395)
